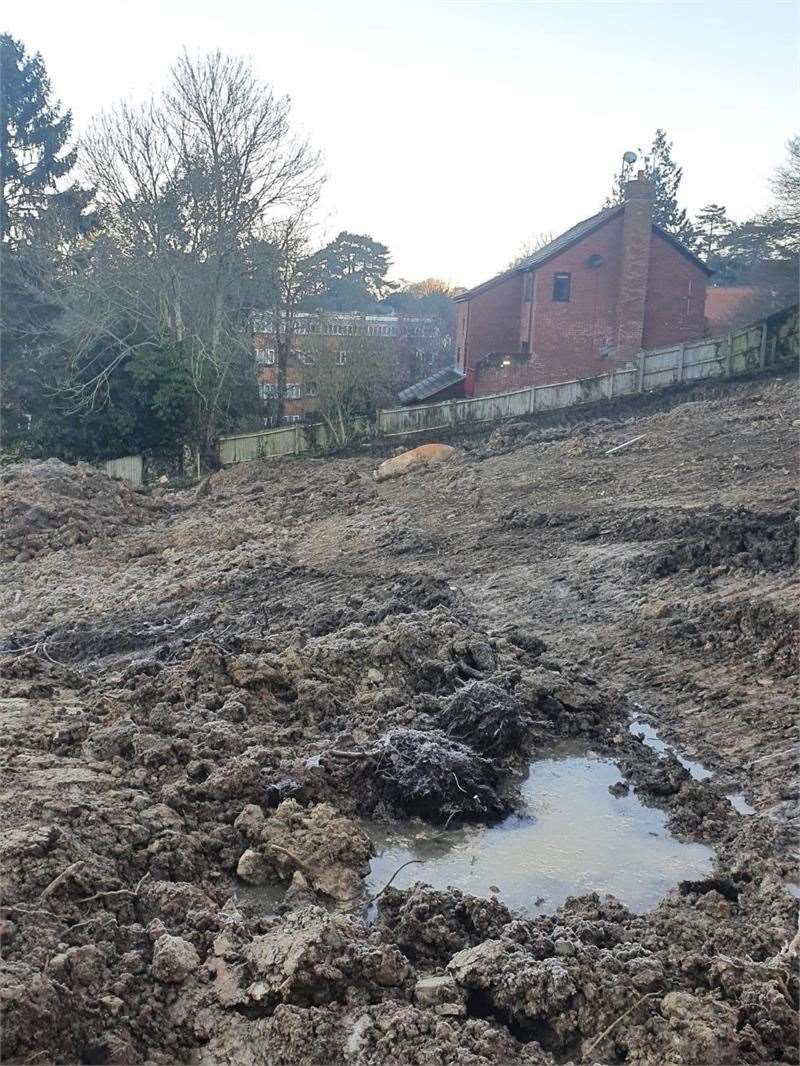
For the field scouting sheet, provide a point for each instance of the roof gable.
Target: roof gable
(566, 240)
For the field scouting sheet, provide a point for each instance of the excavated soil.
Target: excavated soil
(205, 700)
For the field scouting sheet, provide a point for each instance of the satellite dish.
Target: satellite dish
(629, 157)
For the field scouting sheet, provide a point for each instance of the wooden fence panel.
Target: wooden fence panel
(129, 467)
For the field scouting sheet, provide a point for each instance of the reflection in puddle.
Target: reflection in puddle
(699, 772)
(571, 837)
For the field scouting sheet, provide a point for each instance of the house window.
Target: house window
(290, 420)
(341, 357)
(312, 390)
(561, 287)
(265, 357)
(267, 390)
(527, 292)
(293, 391)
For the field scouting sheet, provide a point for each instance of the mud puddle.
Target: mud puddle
(698, 771)
(571, 836)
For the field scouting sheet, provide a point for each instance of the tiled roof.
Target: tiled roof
(570, 237)
(429, 386)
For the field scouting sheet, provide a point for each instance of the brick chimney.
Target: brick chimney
(636, 231)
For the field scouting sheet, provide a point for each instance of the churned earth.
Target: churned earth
(208, 699)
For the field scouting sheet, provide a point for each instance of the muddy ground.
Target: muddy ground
(202, 694)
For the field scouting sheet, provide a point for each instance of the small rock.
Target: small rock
(375, 676)
(441, 994)
(654, 609)
(174, 959)
(113, 1004)
(253, 868)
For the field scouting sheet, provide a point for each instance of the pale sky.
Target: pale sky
(453, 130)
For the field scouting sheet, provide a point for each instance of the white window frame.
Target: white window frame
(341, 357)
(265, 357)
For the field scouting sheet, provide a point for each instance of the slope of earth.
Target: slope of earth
(204, 693)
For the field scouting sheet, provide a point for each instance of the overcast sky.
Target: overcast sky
(453, 130)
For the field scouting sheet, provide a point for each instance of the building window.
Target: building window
(527, 292)
(561, 287)
(526, 347)
(265, 357)
(293, 391)
(290, 420)
(341, 357)
(311, 389)
(267, 390)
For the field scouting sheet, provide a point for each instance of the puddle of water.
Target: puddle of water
(571, 837)
(698, 771)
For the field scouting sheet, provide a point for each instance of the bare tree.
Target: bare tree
(348, 377)
(292, 278)
(528, 247)
(786, 183)
(185, 184)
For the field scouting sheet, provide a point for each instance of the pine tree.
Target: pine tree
(34, 137)
(35, 159)
(665, 175)
(711, 227)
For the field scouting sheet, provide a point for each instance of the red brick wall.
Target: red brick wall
(568, 337)
(493, 320)
(676, 297)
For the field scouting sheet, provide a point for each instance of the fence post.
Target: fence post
(298, 439)
(451, 414)
(762, 348)
(613, 381)
(728, 354)
(642, 364)
(533, 399)
(681, 362)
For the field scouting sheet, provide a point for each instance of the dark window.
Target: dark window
(527, 293)
(561, 285)
(526, 347)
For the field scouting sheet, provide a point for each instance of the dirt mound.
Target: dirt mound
(738, 538)
(486, 717)
(50, 505)
(197, 713)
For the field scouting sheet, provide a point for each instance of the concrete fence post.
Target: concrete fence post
(728, 354)
(681, 362)
(642, 369)
(613, 382)
(533, 399)
(452, 413)
(762, 348)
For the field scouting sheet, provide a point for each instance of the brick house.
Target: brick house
(415, 346)
(587, 301)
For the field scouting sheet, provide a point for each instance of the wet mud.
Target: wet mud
(209, 706)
